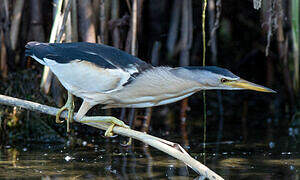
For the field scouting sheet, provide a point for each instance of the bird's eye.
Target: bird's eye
(223, 80)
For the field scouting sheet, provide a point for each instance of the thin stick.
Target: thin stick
(204, 97)
(47, 74)
(128, 5)
(168, 147)
(203, 31)
(295, 38)
(132, 35)
(213, 38)
(134, 27)
(218, 7)
(64, 20)
(56, 23)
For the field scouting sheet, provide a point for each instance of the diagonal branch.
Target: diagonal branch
(168, 147)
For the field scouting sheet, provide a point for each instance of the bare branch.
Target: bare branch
(64, 20)
(168, 147)
(134, 28)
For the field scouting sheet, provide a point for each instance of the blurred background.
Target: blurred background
(256, 40)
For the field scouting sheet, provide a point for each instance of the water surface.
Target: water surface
(109, 160)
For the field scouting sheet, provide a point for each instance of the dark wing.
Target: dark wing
(101, 55)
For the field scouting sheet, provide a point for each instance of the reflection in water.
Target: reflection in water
(235, 161)
(149, 160)
(268, 152)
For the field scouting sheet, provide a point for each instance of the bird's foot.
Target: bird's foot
(70, 107)
(107, 119)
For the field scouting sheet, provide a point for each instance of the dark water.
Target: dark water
(230, 159)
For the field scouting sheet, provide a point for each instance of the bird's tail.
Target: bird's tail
(29, 51)
(34, 49)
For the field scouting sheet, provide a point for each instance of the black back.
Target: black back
(101, 55)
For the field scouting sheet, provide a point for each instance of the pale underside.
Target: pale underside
(97, 85)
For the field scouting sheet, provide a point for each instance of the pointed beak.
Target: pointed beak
(243, 84)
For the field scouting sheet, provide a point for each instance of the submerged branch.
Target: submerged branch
(168, 147)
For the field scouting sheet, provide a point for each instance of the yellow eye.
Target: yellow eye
(223, 80)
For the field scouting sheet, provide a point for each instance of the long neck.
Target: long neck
(157, 84)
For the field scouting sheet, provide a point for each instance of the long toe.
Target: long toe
(109, 131)
(57, 119)
(118, 122)
(106, 119)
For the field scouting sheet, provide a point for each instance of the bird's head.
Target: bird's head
(212, 77)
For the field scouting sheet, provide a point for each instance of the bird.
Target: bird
(101, 74)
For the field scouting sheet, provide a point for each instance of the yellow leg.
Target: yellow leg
(70, 107)
(107, 119)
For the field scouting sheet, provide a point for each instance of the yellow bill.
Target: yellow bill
(243, 84)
